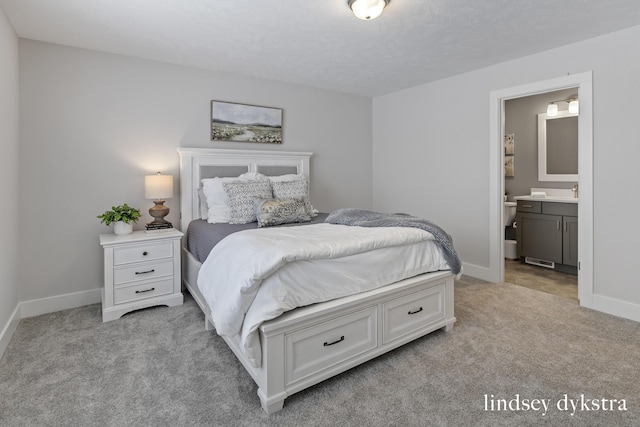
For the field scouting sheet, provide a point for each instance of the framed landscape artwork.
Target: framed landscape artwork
(245, 123)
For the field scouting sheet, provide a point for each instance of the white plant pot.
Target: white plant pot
(120, 228)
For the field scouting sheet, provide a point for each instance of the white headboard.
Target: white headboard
(199, 163)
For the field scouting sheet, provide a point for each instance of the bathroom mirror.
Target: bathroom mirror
(558, 147)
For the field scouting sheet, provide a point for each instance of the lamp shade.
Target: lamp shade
(552, 110)
(367, 9)
(158, 186)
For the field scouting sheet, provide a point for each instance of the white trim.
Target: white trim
(584, 82)
(476, 271)
(616, 307)
(9, 329)
(40, 306)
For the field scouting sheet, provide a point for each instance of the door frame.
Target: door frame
(584, 83)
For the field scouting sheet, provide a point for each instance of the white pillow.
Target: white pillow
(217, 199)
(202, 204)
(288, 177)
(292, 187)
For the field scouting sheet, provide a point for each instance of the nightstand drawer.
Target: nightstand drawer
(412, 312)
(145, 252)
(143, 271)
(146, 290)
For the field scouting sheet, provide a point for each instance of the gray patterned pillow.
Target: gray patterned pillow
(297, 188)
(277, 211)
(241, 199)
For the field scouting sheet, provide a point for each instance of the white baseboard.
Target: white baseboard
(9, 329)
(615, 307)
(477, 271)
(40, 306)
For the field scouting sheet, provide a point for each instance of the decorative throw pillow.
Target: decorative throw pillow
(241, 199)
(297, 187)
(216, 198)
(276, 211)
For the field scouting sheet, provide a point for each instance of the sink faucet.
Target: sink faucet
(575, 190)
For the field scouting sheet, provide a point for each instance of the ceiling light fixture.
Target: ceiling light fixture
(367, 9)
(574, 106)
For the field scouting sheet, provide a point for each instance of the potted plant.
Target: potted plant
(122, 217)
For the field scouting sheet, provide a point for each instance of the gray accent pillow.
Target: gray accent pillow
(271, 212)
(241, 199)
(297, 188)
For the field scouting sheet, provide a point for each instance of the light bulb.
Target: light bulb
(552, 110)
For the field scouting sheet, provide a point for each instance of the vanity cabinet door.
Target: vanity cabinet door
(540, 236)
(570, 241)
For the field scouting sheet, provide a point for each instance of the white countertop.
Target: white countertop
(548, 199)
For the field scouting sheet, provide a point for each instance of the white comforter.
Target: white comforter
(256, 275)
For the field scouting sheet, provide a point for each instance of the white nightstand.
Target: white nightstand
(140, 270)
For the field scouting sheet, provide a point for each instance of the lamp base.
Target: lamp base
(158, 212)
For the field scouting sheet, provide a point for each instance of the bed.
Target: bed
(308, 344)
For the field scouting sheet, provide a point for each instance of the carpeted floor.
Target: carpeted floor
(158, 367)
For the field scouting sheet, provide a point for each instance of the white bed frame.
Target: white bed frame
(310, 344)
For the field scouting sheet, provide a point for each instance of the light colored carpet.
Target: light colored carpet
(158, 367)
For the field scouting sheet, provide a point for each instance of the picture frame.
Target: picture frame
(231, 121)
(509, 144)
(509, 166)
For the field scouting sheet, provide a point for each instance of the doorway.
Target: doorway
(529, 134)
(583, 82)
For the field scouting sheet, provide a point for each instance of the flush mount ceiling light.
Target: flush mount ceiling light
(367, 9)
(574, 106)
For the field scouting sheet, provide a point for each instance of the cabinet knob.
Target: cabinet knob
(145, 253)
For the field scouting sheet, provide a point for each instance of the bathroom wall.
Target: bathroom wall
(521, 119)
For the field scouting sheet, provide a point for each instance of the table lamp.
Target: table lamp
(158, 187)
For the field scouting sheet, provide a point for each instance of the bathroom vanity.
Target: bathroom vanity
(547, 232)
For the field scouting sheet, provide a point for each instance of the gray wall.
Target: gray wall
(93, 124)
(521, 119)
(431, 151)
(9, 291)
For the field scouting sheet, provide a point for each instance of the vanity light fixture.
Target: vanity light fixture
(367, 9)
(574, 106)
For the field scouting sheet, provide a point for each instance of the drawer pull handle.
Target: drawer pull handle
(327, 344)
(145, 253)
(414, 312)
(146, 290)
(145, 272)
(527, 206)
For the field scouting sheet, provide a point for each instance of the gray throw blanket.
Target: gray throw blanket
(364, 218)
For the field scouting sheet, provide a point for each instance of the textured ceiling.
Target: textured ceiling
(320, 43)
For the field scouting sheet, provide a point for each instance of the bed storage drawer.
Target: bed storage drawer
(412, 312)
(312, 349)
(142, 291)
(145, 252)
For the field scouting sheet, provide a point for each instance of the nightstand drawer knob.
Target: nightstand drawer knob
(145, 272)
(145, 253)
(146, 290)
